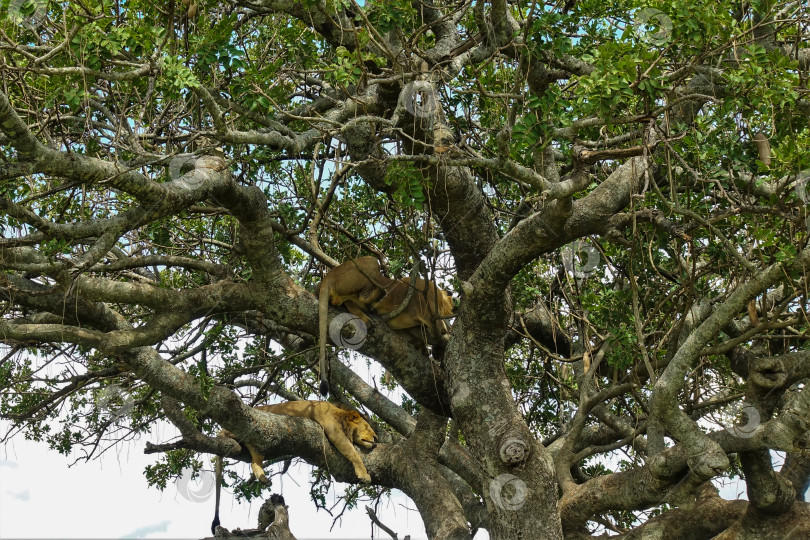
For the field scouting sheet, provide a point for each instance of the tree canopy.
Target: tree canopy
(614, 192)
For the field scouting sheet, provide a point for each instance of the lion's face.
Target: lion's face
(359, 431)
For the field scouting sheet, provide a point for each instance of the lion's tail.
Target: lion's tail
(323, 316)
(216, 497)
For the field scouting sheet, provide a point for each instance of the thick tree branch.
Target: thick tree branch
(707, 459)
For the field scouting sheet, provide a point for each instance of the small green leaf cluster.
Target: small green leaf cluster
(409, 184)
(391, 15)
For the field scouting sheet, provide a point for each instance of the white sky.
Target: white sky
(41, 497)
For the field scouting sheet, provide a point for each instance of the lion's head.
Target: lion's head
(357, 429)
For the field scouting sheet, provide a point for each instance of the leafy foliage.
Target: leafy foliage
(315, 119)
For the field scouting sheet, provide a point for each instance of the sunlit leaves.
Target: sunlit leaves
(409, 191)
(177, 78)
(346, 71)
(387, 15)
(601, 76)
(550, 32)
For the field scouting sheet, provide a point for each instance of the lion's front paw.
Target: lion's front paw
(364, 477)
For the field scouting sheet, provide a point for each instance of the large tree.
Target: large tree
(615, 193)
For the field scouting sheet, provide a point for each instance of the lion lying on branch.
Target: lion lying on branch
(343, 428)
(360, 285)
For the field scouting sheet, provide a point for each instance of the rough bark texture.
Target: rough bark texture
(163, 224)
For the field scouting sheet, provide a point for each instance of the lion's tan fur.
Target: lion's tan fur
(427, 308)
(343, 428)
(360, 285)
(357, 284)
